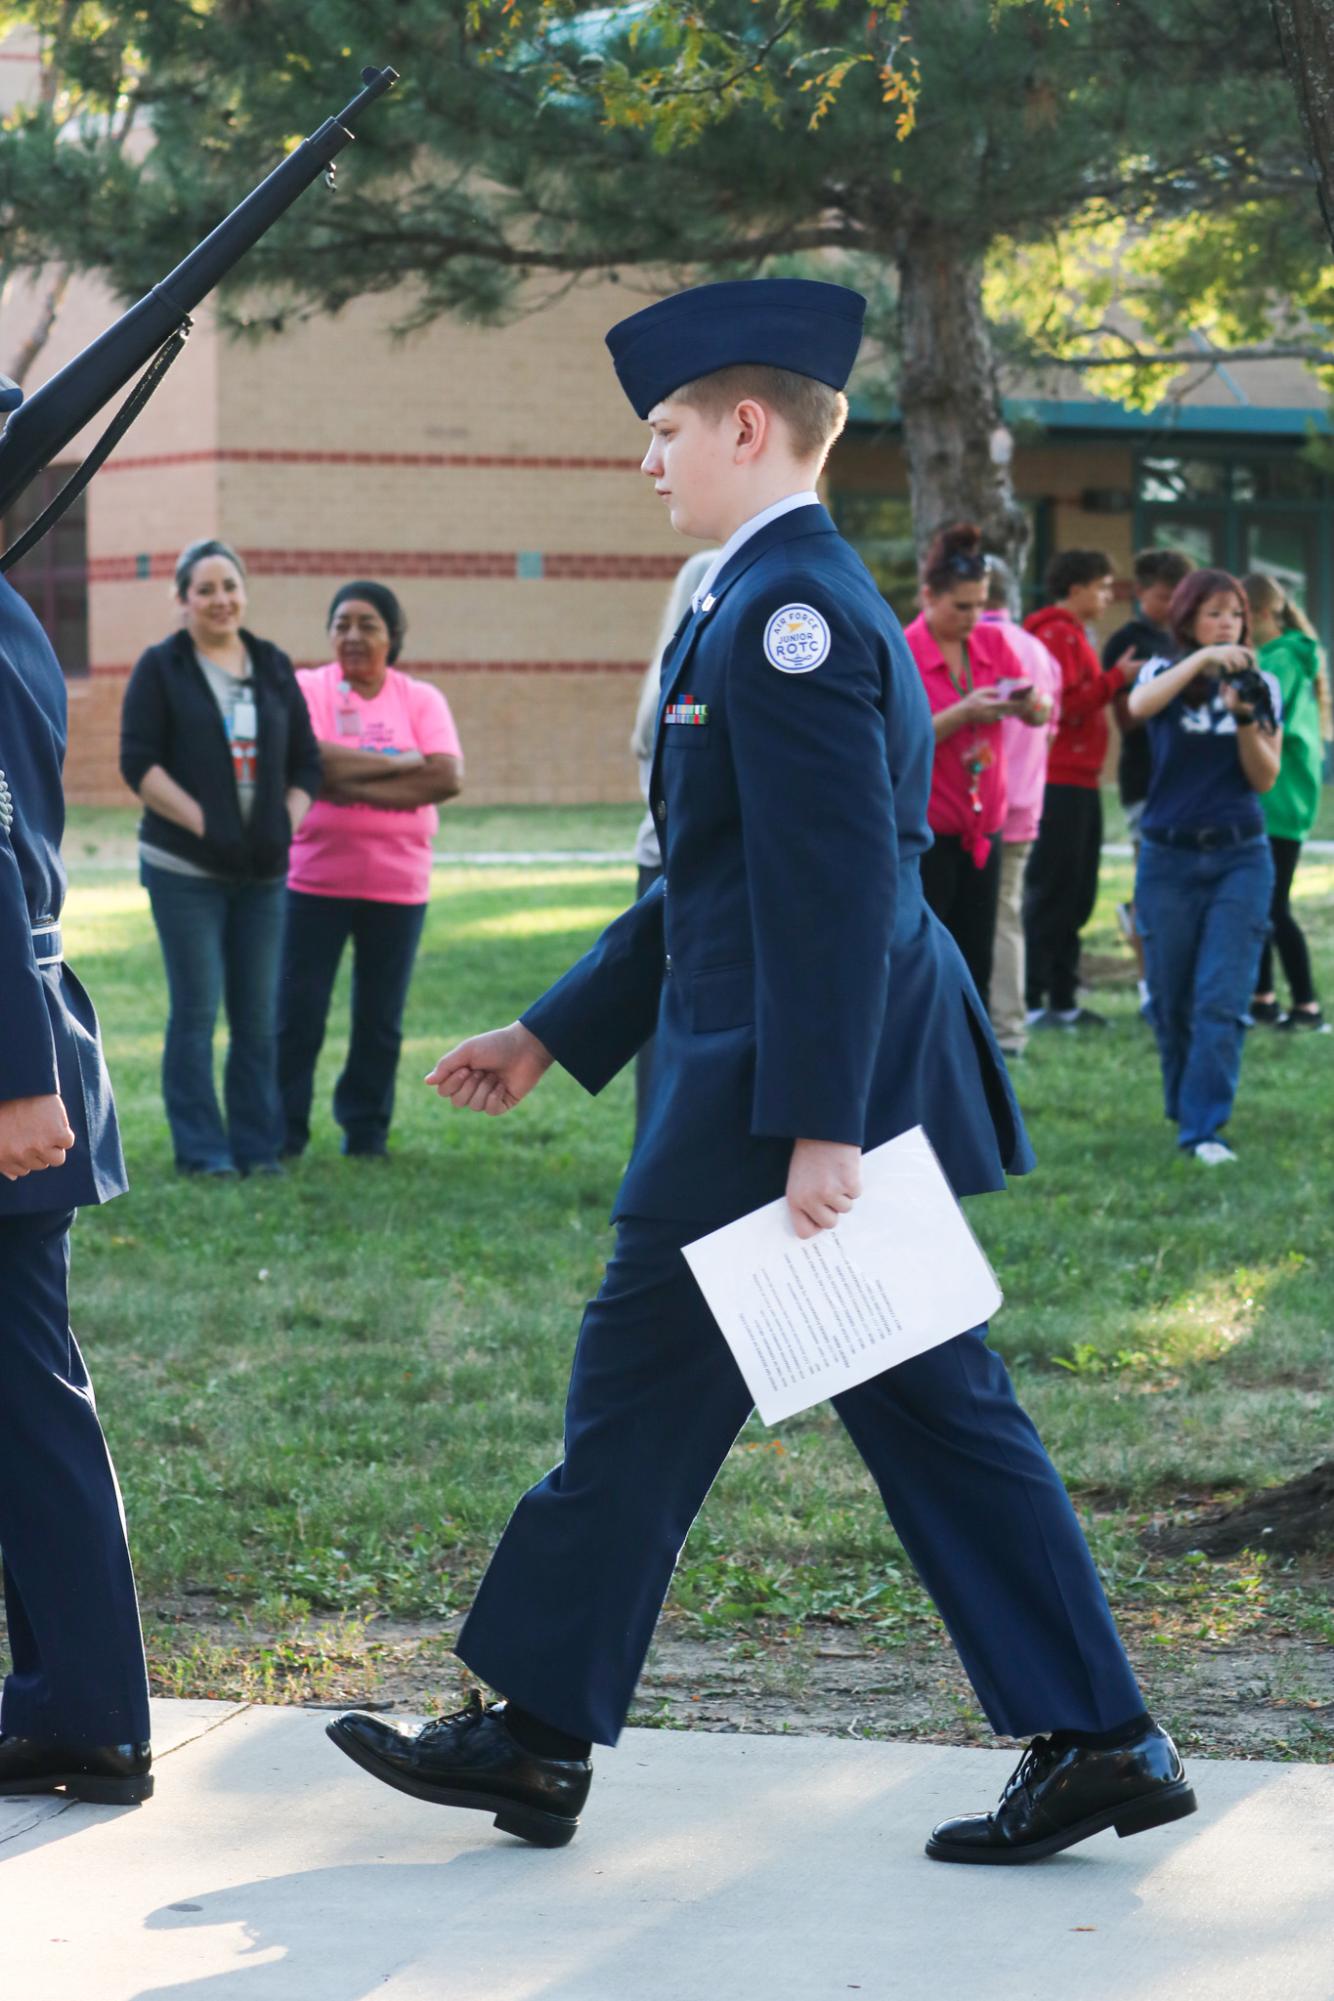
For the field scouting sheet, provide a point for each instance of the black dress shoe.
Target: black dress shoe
(1061, 1794)
(471, 1759)
(106, 1774)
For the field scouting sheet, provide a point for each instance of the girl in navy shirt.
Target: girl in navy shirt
(1205, 876)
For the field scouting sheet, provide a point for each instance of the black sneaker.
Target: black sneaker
(1307, 1020)
(1080, 1017)
(1266, 1014)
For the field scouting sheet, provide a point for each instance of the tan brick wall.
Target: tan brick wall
(446, 463)
(91, 776)
(561, 739)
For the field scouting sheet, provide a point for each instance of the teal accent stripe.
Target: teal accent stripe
(1230, 420)
(1053, 413)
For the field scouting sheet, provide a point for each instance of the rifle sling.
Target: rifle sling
(101, 451)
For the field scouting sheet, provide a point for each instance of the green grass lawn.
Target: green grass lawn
(324, 1394)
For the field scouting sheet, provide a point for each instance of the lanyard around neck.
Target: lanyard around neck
(967, 687)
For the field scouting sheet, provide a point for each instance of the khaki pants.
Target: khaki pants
(1007, 965)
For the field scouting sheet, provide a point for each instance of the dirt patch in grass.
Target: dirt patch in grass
(1258, 1697)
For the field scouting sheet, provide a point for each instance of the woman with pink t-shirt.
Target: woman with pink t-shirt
(361, 864)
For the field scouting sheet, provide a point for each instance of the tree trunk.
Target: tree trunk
(1289, 1520)
(957, 445)
(1305, 30)
(57, 285)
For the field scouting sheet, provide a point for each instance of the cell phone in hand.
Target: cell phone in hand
(1014, 691)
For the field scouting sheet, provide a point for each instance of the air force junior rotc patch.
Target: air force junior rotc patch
(796, 639)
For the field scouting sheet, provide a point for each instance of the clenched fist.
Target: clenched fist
(34, 1133)
(823, 1181)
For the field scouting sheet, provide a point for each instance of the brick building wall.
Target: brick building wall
(490, 477)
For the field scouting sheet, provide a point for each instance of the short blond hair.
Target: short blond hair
(813, 412)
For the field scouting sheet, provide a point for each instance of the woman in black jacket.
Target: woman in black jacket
(216, 741)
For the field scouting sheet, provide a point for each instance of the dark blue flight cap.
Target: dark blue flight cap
(10, 395)
(791, 323)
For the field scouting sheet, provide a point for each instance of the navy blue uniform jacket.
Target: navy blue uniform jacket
(48, 1030)
(798, 985)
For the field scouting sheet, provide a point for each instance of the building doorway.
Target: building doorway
(53, 578)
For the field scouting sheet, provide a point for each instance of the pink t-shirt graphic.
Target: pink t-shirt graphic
(371, 851)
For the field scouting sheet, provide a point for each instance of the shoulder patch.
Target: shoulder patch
(796, 639)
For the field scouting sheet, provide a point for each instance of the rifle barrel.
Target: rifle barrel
(41, 428)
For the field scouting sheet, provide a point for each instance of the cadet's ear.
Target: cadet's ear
(753, 426)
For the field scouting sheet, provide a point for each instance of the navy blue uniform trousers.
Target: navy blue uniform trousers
(78, 1659)
(567, 1607)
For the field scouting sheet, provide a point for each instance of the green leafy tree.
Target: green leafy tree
(55, 145)
(1012, 179)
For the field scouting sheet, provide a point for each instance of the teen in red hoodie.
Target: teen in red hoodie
(1061, 885)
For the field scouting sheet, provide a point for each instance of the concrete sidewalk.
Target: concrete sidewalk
(708, 1868)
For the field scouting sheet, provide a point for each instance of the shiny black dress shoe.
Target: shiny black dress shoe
(1058, 1795)
(471, 1759)
(105, 1774)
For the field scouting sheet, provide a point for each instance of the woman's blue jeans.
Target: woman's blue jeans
(1203, 915)
(221, 942)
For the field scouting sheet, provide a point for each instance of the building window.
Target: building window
(879, 527)
(1237, 509)
(53, 577)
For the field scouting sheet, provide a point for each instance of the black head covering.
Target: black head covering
(388, 606)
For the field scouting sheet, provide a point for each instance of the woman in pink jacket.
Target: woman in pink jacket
(973, 682)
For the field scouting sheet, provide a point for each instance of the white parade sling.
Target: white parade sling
(807, 1318)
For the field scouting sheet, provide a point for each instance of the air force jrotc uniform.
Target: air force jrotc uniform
(799, 988)
(73, 1624)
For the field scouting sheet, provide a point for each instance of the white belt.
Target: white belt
(47, 941)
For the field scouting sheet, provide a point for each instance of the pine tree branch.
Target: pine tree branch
(1138, 357)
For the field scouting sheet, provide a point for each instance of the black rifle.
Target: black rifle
(154, 331)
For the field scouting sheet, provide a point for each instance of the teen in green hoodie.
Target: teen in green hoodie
(1289, 651)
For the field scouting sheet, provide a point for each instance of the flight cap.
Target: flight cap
(794, 323)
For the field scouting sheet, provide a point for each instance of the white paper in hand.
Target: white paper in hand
(900, 1273)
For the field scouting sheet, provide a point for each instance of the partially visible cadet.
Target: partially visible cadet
(74, 1710)
(648, 849)
(807, 1005)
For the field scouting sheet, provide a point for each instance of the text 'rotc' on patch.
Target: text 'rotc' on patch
(796, 639)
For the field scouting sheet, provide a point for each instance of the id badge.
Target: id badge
(348, 723)
(244, 720)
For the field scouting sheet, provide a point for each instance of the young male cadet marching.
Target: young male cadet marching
(807, 1005)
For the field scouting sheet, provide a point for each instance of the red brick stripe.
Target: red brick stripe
(246, 455)
(447, 667)
(501, 563)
